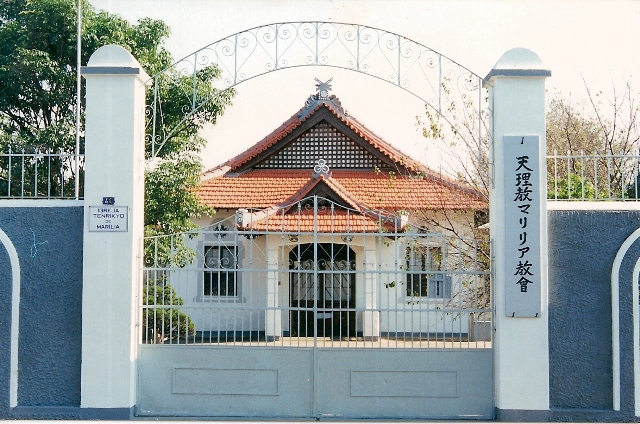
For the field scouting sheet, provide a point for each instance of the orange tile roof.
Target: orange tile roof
(328, 221)
(230, 186)
(367, 189)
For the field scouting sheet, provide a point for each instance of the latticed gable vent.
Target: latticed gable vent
(322, 141)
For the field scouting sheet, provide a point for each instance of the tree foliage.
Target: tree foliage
(38, 106)
(38, 49)
(38, 99)
(592, 144)
(162, 318)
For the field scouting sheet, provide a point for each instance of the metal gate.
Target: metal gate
(315, 310)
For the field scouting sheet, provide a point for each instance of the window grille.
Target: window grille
(326, 142)
(422, 261)
(220, 271)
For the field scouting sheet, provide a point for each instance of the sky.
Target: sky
(595, 41)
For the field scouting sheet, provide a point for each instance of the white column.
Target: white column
(371, 317)
(517, 98)
(273, 314)
(114, 152)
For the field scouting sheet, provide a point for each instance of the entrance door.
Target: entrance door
(322, 290)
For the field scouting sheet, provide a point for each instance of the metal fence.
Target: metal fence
(593, 177)
(326, 284)
(41, 174)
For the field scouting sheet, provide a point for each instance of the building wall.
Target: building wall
(386, 288)
(48, 241)
(582, 248)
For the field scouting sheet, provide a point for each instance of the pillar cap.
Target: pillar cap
(518, 62)
(113, 60)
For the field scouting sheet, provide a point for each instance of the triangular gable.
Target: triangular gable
(325, 132)
(346, 214)
(322, 141)
(324, 187)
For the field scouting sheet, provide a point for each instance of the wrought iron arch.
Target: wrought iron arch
(452, 91)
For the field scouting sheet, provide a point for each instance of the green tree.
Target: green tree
(38, 102)
(591, 143)
(571, 187)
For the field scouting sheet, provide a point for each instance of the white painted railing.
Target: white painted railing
(351, 287)
(41, 174)
(593, 177)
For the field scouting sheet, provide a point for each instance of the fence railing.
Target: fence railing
(41, 175)
(286, 283)
(50, 175)
(593, 177)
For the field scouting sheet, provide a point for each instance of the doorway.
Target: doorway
(323, 283)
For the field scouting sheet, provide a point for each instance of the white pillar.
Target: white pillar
(273, 314)
(371, 315)
(519, 234)
(114, 167)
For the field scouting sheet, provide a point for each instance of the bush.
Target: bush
(165, 322)
(574, 187)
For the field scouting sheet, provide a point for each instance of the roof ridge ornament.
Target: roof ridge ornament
(321, 96)
(323, 88)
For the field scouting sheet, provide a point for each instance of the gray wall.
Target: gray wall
(50, 343)
(582, 248)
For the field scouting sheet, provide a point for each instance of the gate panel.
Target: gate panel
(391, 383)
(191, 381)
(265, 315)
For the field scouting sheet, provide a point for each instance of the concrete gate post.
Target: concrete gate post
(113, 230)
(519, 235)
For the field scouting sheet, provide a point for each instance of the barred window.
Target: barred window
(220, 264)
(423, 278)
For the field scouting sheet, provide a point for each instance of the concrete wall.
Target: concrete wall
(48, 242)
(583, 245)
(582, 248)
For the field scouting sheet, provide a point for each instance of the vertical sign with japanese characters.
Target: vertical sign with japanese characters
(522, 226)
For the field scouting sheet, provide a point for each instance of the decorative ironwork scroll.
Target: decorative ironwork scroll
(453, 91)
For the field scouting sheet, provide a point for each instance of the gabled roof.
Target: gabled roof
(264, 188)
(346, 215)
(278, 171)
(305, 119)
(325, 221)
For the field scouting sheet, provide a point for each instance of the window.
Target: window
(220, 264)
(421, 280)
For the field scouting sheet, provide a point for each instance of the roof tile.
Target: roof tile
(372, 190)
(328, 221)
